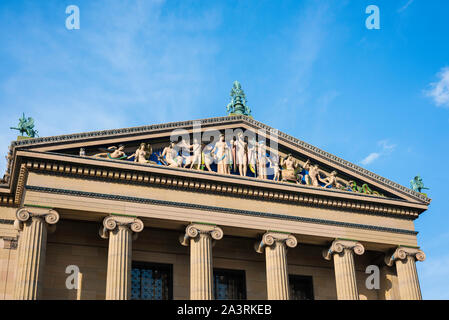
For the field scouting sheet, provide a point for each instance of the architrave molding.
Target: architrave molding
(233, 189)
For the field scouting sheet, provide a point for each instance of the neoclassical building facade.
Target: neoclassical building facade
(219, 208)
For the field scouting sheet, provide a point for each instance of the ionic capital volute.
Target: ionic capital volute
(113, 222)
(196, 229)
(23, 215)
(339, 245)
(402, 252)
(270, 238)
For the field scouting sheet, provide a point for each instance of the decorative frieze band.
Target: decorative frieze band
(213, 187)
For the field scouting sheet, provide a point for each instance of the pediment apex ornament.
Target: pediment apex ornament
(339, 245)
(24, 214)
(111, 223)
(195, 229)
(269, 239)
(401, 253)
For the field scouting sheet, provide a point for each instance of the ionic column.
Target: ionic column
(32, 224)
(274, 245)
(121, 231)
(342, 252)
(405, 259)
(200, 236)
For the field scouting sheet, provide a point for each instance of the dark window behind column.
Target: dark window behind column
(229, 284)
(151, 281)
(301, 287)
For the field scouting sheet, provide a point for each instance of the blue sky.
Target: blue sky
(378, 98)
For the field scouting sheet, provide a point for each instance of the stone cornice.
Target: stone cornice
(218, 209)
(232, 186)
(222, 120)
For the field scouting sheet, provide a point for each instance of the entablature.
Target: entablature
(115, 171)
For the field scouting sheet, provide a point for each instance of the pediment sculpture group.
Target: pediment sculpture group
(236, 158)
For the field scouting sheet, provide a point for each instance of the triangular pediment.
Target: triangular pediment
(333, 172)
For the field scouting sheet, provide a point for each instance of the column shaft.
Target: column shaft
(201, 272)
(31, 259)
(277, 275)
(275, 246)
(342, 252)
(121, 231)
(118, 282)
(200, 236)
(405, 260)
(345, 276)
(408, 279)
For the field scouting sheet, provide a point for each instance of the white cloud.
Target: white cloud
(386, 148)
(370, 158)
(439, 91)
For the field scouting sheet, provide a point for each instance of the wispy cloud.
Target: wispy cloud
(370, 158)
(404, 7)
(439, 91)
(385, 149)
(129, 64)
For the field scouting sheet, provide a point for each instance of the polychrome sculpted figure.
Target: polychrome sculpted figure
(195, 159)
(352, 186)
(240, 154)
(222, 153)
(252, 155)
(262, 160)
(171, 156)
(208, 156)
(417, 184)
(290, 169)
(26, 125)
(274, 164)
(142, 153)
(114, 153)
(332, 181)
(313, 176)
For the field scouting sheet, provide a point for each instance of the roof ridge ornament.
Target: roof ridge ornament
(238, 106)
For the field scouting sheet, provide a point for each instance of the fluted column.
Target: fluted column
(200, 237)
(342, 251)
(32, 224)
(121, 231)
(405, 259)
(274, 244)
